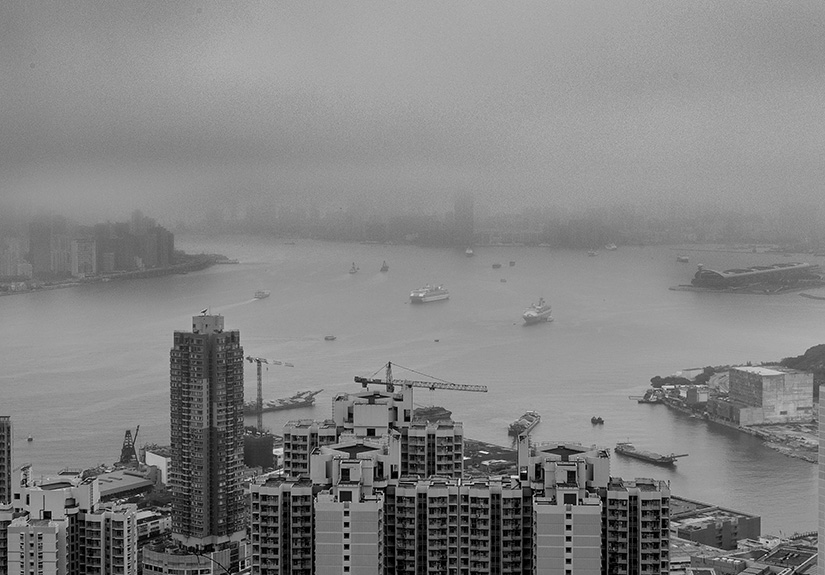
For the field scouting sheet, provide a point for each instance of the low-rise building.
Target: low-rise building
(711, 525)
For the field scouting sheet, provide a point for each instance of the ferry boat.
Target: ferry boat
(429, 293)
(538, 312)
(525, 423)
(629, 450)
(261, 294)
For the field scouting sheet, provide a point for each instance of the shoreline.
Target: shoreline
(194, 263)
(776, 436)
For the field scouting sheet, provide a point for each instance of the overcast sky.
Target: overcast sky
(109, 106)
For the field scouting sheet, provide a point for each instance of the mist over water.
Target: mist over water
(81, 365)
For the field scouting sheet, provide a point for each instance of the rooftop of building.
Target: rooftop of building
(121, 481)
(354, 450)
(789, 555)
(766, 370)
(307, 423)
(56, 485)
(688, 512)
(640, 483)
(565, 450)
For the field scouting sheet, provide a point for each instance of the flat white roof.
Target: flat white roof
(760, 370)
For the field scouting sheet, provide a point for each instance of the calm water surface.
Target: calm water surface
(81, 365)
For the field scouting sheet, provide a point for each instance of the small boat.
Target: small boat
(496, 266)
(469, 252)
(261, 294)
(595, 420)
(537, 312)
(592, 253)
(512, 263)
(385, 267)
(503, 280)
(611, 247)
(353, 269)
(30, 438)
(682, 259)
(329, 338)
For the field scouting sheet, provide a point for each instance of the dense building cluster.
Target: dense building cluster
(371, 490)
(54, 248)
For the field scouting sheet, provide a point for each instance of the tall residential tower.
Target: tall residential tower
(207, 434)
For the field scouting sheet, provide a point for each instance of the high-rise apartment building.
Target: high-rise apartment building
(6, 443)
(636, 538)
(206, 383)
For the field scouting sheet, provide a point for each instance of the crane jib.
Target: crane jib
(425, 384)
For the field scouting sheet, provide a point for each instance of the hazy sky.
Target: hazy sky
(165, 106)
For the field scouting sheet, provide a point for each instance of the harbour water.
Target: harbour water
(81, 365)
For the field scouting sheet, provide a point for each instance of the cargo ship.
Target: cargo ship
(629, 450)
(525, 423)
(300, 399)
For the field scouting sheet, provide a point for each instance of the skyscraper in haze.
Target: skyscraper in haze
(206, 383)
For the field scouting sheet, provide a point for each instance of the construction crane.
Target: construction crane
(390, 383)
(259, 406)
(128, 454)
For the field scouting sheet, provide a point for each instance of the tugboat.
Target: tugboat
(385, 267)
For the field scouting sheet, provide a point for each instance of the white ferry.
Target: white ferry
(429, 293)
(537, 312)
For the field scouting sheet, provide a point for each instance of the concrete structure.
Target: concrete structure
(637, 534)
(6, 449)
(772, 394)
(300, 438)
(159, 457)
(152, 524)
(373, 490)
(207, 434)
(821, 493)
(711, 525)
(59, 527)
